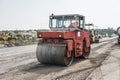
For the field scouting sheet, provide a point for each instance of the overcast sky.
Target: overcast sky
(34, 14)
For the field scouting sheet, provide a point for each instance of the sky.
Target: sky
(34, 14)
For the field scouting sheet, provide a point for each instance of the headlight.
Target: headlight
(78, 34)
(40, 35)
(60, 36)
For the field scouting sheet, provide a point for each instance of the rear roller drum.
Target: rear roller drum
(86, 52)
(53, 54)
(68, 61)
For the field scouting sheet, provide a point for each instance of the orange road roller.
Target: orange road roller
(67, 39)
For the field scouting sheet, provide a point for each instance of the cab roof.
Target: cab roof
(67, 15)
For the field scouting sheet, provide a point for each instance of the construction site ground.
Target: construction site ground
(20, 63)
(13, 43)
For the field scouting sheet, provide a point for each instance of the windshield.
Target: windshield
(64, 22)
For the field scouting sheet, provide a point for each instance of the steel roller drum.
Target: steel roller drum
(52, 54)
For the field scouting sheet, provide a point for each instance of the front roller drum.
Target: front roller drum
(53, 54)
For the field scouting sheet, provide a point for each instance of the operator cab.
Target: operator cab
(75, 21)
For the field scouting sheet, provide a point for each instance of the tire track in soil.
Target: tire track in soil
(41, 69)
(83, 74)
(15, 62)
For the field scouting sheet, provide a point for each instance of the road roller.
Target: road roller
(118, 32)
(65, 40)
(94, 38)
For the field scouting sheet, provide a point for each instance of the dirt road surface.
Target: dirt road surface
(19, 63)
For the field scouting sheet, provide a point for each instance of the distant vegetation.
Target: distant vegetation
(24, 37)
(108, 31)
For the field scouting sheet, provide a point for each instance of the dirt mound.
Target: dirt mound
(13, 43)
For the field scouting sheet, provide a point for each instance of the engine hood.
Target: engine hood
(56, 34)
